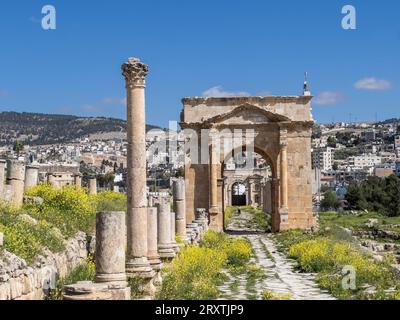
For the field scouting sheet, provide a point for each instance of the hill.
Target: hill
(36, 128)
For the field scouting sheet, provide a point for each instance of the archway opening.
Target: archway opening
(239, 194)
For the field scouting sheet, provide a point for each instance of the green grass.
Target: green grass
(357, 221)
(84, 272)
(327, 253)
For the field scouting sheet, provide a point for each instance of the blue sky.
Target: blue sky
(200, 47)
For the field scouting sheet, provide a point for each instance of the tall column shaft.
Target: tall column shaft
(135, 73)
(15, 178)
(284, 177)
(213, 181)
(31, 177)
(93, 186)
(178, 190)
(152, 243)
(110, 246)
(2, 177)
(165, 247)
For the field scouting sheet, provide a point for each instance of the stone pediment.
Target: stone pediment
(246, 114)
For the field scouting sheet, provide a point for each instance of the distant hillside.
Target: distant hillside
(36, 128)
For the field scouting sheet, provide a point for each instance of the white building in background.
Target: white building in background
(322, 158)
(365, 160)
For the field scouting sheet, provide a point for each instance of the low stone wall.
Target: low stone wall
(18, 281)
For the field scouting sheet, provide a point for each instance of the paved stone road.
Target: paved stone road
(280, 278)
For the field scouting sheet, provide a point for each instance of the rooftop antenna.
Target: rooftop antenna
(306, 91)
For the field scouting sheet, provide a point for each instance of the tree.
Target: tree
(330, 201)
(18, 147)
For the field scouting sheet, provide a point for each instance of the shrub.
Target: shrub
(193, 275)
(69, 209)
(270, 295)
(328, 257)
(110, 201)
(27, 240)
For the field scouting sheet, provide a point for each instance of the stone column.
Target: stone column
(110, 280)
(78, 180)
(250, 193)
(135, 73)
(165, 247)
(15, 178)
(110, 246)
(173, 232)
(2, 176)
(92, 185)
(152, 244)
(31, 177)
(178, 189)
(50, 179)
(284, 210)
(213, 181)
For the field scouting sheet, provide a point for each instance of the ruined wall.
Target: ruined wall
(18, 281)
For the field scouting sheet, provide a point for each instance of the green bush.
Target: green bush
(196, 273)
(110, 201)
(193, 275)
(70, 209)
(327, 257)
(25, 239)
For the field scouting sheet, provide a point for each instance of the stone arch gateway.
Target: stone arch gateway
(281, 133)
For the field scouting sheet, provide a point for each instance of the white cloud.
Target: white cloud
(328, 97)
(219, 92)
(114, 101)
(264, 93)
(373, 84)
(91, 108)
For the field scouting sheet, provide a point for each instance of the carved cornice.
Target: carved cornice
(135, 73)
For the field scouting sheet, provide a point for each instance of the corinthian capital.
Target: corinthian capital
(135, 72)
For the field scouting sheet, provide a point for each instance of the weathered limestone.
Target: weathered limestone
(279, 129)
(135, 73)
(2, 176)
(18, 281)
(78, 180)
(92, 185)
(178, 190)
(152, 245)
(201, 218)
(31, 177)
(110, 246)
(284, 210)
(165, 247)
(110, 280)
(173, 232)
(15, 178)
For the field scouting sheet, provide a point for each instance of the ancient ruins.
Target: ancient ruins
(281, 133)
(280, 130)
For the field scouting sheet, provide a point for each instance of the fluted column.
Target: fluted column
(135, 73)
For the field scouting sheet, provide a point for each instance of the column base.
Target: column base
(284, 219)
(115, 277)
(87, 290)
(166, 251)
(139, 267)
